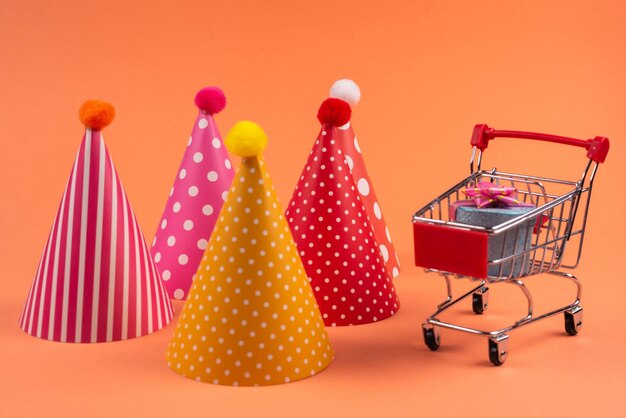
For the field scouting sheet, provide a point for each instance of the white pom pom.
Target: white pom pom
(346, 90)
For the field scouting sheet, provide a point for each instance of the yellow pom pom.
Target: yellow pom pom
(246, 139)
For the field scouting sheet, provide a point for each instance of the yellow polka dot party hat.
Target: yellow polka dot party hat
(250, 318)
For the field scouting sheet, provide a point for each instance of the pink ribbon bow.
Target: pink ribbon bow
(487, 194)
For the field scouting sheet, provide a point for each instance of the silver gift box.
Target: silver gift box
(510, 242)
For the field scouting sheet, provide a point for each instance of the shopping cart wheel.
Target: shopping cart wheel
(480, 300)
(431, 337)
(573, 320)
(498, 349)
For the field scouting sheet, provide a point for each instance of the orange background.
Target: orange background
(428, 72)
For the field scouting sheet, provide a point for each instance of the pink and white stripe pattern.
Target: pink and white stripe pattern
(96, 281)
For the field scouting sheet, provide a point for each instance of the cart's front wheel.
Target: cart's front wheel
(431, 338)
(573, 320)
(480, 300)
(498, 349)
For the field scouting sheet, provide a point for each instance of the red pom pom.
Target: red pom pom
(211, 100)
(96, 114)
(335, 112)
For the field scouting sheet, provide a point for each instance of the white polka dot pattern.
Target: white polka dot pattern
(336, 241)
(191, 211)
(250, 317)
(349, 145)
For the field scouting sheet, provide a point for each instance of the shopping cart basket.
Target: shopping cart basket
(530, 243)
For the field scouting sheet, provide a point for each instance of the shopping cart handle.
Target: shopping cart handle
(597, 148)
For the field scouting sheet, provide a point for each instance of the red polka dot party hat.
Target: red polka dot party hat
(250, 318)
(195, 200)
(95, 281)
(349, 91)
(334, 233)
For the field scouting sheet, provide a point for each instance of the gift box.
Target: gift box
(491, 205)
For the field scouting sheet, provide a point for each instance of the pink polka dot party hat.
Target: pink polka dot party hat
(250, 318)
(334, 233)
(96, 281)
(348, 91)
(195, 200)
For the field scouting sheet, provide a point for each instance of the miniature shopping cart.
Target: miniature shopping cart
(530, 243)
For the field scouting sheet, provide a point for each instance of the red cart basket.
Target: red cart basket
(533, 242)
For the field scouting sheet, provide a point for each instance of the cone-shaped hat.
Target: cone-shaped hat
(334, 234)
(349, 91)
(96, 280)
(250, 317)
(203, 179)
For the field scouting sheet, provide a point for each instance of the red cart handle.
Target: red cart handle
(597, 148)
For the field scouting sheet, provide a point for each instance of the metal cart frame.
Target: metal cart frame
(458, 250)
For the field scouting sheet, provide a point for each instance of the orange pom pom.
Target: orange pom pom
(96, 114)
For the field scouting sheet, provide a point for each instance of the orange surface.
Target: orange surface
(428, 72)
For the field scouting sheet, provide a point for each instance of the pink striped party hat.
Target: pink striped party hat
(96, 281)
(348, 91)
(195, 200)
